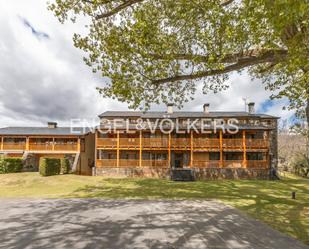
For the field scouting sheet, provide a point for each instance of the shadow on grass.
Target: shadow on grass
(269, 201)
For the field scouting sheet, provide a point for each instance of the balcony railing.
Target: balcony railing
(236, 144)
(209, 143)
(154, 142)
(257, 143)
(50, 147)
(129, 142)
(206, 164)
(40, 146)
(180, 143)
(183, 143)
(107, 142)
(14, 146)
(65, 147)
(134, 163)
(127, 163)
(155, 163)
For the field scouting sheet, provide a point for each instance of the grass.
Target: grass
(268, 201)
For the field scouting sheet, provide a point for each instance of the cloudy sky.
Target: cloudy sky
(43, 77)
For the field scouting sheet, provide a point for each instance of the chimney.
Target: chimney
(206, 108)
(170, 108)
(251, 108)
(52, 125)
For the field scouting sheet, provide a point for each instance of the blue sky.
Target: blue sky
(43, 77)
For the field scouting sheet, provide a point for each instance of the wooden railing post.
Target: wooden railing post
(78, 144)
(140, 148)
(27, 143)
(53, 145)
(169, 149)
(2, 141)
(118, 151)
(191, 149)
(244, 148)
(221, 149)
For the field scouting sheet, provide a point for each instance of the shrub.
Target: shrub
(49, 166)
(10, 165)
(300, 165)
(65, 166)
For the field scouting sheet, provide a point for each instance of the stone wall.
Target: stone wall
(200, 173)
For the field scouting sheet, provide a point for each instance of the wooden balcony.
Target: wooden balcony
(40, 146)
(180, 143)
(107, 142)
(232, 144)
(155, 163)
(211, 144)
(106, 163)
(206, 143)
(153, 143)
(255, 144)
(134, 163)
(129, 143)
(130, 163)
(14, 146)
(66, 147)
(206, 164)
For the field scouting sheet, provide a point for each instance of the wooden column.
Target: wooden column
(221, 149)
(244, 149)
(27, 143)
(78, 144)
(140, 148)
(2, 140)
(191, 149)
(53, 145)
(95, 152)
(118, 145)
(169, 150)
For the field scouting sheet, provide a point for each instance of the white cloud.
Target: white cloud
(46, 79)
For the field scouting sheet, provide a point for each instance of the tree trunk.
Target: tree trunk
(307, 113)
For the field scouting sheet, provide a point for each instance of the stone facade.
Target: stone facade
(200, 173)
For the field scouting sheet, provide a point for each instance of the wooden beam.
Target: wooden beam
(118, 145)
(27, 143)
(169, 150)
(2, 141)
(221, 149)
(78, 144)
(244, 148)
(140, 148)
(53, 145)
(191, 149)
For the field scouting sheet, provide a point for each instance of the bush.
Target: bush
(300, 165)
(10, 165)
(49, 166)
(65, 166)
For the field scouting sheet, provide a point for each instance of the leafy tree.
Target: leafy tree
(157, 50)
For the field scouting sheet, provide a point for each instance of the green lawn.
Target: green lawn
(269, 201)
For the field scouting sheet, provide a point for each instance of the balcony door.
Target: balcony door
(178, 160)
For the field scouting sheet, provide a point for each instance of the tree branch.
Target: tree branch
(226, 3)
(273, 56)
(118, 9)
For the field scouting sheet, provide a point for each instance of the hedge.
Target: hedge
(65, 166)
(49, 166)
(10, 165)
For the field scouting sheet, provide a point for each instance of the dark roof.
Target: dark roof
(178, 114)
(59, 131)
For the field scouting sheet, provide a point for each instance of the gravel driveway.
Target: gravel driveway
(96, 223)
